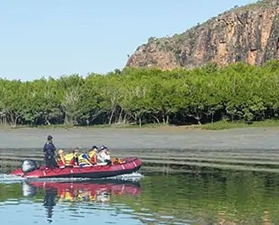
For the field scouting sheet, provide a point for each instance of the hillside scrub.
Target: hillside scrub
(238, 92)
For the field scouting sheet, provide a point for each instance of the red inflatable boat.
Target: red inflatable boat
(128, 165)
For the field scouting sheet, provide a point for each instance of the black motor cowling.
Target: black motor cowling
(28, 166)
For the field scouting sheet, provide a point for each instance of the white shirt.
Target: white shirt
(102, 157)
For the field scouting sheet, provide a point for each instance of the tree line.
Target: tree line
(141, 96)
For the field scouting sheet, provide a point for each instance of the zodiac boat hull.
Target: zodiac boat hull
(128, 166)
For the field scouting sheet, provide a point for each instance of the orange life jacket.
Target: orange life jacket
(92, 157)
(115, 161)
(61, 161)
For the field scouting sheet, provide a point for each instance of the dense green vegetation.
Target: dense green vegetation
(238, 92)
(222, 125)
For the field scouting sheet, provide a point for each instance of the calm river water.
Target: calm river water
(214, 197)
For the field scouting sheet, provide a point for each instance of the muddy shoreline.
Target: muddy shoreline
(160, 149)
(146, 138)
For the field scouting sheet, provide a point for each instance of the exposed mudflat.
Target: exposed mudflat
(163, 149)
(145, 138)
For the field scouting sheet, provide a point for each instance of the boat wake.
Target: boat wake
(6, 179)
(127, 177)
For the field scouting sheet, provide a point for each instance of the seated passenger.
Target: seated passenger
(103, 156)
(61, 162)
(88, 159)
(92, 154)
(83, 160)
(72, 158)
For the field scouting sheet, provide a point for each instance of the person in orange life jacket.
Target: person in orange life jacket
(92, 154)
(49, 150)
(61, 159)
(89, 158)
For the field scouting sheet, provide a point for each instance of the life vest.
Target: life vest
(70, 159)
(61, 161)
(115, 161)
(92, 157)
(83, 159)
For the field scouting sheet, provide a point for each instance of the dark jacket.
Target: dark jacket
(49, 150)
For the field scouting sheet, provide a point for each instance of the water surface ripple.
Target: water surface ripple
(214, 197)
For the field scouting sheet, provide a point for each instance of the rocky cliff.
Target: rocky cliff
(249, 34)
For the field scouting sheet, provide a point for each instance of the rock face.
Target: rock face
(249, 34)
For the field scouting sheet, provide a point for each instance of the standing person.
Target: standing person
(49, 150)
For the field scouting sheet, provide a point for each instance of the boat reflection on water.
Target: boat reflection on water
(85, 191)
(90, 191)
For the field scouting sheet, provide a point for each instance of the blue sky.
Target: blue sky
(57, 37)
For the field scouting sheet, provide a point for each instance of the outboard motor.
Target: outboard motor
(28, 166)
